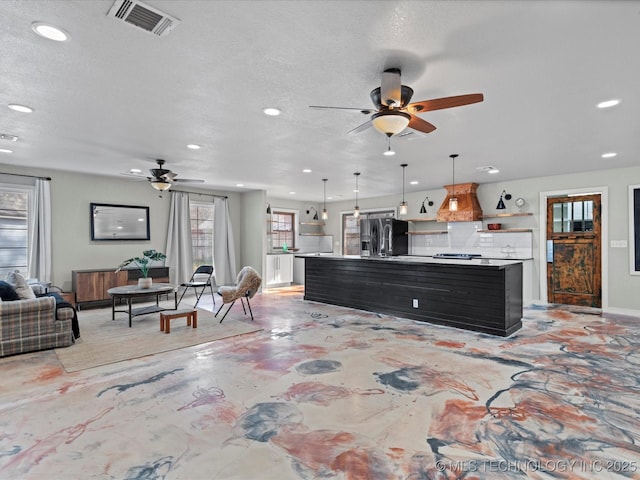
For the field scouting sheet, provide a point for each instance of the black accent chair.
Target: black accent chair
(200, 280)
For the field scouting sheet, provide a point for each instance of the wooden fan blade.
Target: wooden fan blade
(360, 128)
(390, 88)
(421, 125)
(366, 111)
(446, 102)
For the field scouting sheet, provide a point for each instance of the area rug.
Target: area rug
(104, 341)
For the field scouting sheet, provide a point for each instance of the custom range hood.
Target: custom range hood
(468, 206)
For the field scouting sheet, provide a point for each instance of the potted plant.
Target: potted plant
(143, 265)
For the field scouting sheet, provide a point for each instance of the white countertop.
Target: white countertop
(417, 259)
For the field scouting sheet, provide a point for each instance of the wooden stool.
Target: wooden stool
(165, 319)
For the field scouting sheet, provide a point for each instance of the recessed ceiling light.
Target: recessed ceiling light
(414, 182)
(135, 170)
(49, 31)
(608, 103)
(5, 150)
(194, 146)
(609, 155)
(20, 108)
(389, 153)
(306, 170)
(292, 193)
(493, 171)
(488, 169)
(239, 184)
(272, 112)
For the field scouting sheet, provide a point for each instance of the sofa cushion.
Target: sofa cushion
(21, 286)
(7, 292)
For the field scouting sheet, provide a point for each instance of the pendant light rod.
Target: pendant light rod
(325, 215)
(403, 204)
(453, 201)
(356, 210)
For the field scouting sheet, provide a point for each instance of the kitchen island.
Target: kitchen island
(477, 294)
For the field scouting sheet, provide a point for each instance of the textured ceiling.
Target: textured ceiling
(116, 97)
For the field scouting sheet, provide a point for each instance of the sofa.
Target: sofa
(28, 325)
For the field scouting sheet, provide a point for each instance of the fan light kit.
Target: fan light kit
(161, 178)
(393, 112)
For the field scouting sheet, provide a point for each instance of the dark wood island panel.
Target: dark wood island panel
(481, 297)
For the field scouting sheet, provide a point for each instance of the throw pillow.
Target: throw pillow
(21, 286)
(7, 292)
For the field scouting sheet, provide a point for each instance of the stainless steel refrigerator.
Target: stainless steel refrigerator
(383, 236)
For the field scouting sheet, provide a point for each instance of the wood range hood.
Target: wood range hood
(468, 205)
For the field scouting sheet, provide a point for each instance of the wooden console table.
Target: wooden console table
(91, 286)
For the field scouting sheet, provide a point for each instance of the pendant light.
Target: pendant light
(453, 201)
(356, 210)
(325, 215)
(403, 204)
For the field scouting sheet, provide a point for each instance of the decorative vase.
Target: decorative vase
(145, 282)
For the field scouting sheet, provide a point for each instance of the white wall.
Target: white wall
(622, 287)
(71, 194)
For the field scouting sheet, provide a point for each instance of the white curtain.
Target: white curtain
(179, 245)
(40, 232)
(224, 253)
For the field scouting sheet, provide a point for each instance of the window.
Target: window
(201, 233)
(14, 231)
(282, 229)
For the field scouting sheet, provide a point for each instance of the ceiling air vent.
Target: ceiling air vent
(143, 16)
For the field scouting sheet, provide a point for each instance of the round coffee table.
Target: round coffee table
(129, 292)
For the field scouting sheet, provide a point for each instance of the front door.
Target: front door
(574, 250)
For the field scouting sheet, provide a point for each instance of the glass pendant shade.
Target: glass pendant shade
(356, 212)
(453, 204)
(160, 185)
(325, 215)
(390, 122)
(403, 208)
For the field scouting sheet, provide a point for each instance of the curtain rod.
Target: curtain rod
(198, 193)
(29, 176)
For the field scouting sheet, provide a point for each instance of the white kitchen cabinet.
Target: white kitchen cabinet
(279, 269)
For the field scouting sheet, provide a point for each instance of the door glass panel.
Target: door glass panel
(573, 216)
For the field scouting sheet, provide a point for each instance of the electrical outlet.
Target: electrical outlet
(415, 303)
(618, 244)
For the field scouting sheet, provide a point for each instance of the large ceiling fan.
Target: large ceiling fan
(162, 178)
(394, 113)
